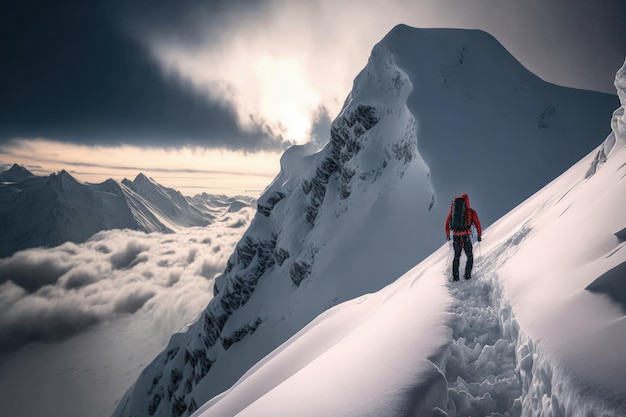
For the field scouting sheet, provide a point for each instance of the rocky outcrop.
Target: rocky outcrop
(240, 333)
(265, 205)
(345, 144)
(299, 271)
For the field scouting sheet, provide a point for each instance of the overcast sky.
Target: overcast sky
(239, 79)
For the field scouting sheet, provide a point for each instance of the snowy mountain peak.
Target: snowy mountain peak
(168, 203)
(433, 114)
(48, 211)
(15, 173)
(142, 178)
(63, 182)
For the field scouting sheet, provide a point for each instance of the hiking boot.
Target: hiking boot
(468, 277)
(455, 278)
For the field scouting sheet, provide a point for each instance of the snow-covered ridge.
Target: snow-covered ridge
(618, 124)
(353, 217)
(538, 331)
(48, 211)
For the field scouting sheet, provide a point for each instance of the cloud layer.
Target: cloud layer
(250, 75)
(71, 73)
(52, 294)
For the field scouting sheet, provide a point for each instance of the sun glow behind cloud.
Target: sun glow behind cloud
(189, 170)
(279, 63)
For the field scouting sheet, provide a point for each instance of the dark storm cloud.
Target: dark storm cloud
(71, 72)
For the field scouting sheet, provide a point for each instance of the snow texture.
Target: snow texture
(353, 217)
(522, 338)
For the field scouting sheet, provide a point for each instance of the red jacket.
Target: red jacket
(471, 215)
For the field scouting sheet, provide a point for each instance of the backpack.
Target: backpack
(458, 219)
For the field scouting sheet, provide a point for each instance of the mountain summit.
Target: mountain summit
(432, 112)
(15, 173)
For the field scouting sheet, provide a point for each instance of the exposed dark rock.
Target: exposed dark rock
(433, 201)
(175, 377)
(404, 151)
(306, 186)
(203, 366)
(192, 406)
(345, 144)
(178, 406)
(596, 163)
(213, 325)
(153, 405)
(318, 187)
(265, 207)
(544, 119)
(171, 354)
(240, 333)
(155, 382)
(299, 271)
(246, 249)
(346, 175)
(281, 255)
(188, 386)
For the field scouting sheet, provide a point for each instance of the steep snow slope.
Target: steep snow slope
(353, 217)
(47, 211)
(539, 332)
(486, 125)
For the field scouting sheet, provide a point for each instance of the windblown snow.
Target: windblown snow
(309, 317)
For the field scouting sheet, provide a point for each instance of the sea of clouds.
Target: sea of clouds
(52, 294)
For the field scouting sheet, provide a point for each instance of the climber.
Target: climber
(459, 221)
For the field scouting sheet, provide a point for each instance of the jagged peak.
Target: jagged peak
(16, 173)
(142, 178)
(18, 168)
(63, 174)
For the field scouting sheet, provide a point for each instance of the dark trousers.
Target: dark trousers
(462, 242)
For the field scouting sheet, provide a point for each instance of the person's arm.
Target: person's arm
(448, 225)
(479, 230)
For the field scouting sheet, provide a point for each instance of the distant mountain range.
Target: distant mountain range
(49, 210)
